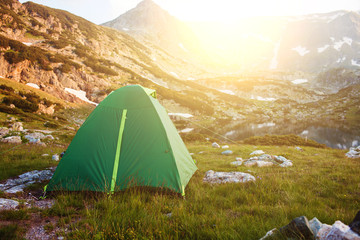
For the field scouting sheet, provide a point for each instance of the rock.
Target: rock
(353, 153)
(338, 231)
(169, 215)
(257, 152)
(298, 228)
(225, 147)
(239, 159)
(17, 126)
(280, 159)
(270, 234)
(8, 204)
(45, 155)
(264, 164)
(12, 139)
(227, 152)
(207, 139)
(315, 225)
(227, 177)
(49, 137)
(299, 148)
(215, 145)
(12, 105)
(18, 184)
(55, 157)
(237, 163)
(286, 164)
(355, 224)
(4, 131)
(250, 163)
(323, 231)
(37, 135)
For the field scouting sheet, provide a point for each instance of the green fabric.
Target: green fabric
(152, 152)
(118, 148)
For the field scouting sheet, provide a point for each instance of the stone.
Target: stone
(286, 164)
(227, 152)
(4, 131)
(315, 225)
(55, 157)
(355, 224)
(280, 159)
(353, 152)
(18, 184)
(299, 148)
(298, 228)
(215, 145)
(239, 159)
(250, 163)
(270, 234)
(8, 204)
(323, 232)
(45, 155)
(49, 137)
(17, 126)
(257, 152)
(12, 139)
(264, 164)
(236, 163)
(12, 105)
(225, 147)
(227, 177)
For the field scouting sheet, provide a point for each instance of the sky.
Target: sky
(100, 11)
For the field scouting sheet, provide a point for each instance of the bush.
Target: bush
(23, 104)
(6, 88)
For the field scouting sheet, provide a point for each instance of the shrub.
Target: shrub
(23, 104)
(6, 88)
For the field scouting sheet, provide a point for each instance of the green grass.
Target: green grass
(18, 159)
(322, 183)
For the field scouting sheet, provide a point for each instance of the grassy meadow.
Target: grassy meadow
(322, 183)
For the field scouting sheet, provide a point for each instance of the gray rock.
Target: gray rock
(338, 231)
(3, 131)
(17, 126)
(225, 146)
(237, 163)
(55, 157)
(12, 139)
(257, 152)
(298, 228)
(227, 177)
(315, 225)
(353, 153)
(18, 184)
(355, 224)
(272, 234)
(227, 152)
(8, 204)
(215, 145)
(49, 137)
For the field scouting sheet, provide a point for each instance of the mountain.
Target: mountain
(149, 22)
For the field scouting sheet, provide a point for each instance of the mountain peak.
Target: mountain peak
(146, 3)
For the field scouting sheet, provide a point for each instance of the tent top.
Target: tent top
(150, 92)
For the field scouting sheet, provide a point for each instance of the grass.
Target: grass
(322, 183)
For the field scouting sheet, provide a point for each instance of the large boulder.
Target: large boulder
(355, 224)
(3, 131)
(338, 231)
(353, 153)
(298, 228)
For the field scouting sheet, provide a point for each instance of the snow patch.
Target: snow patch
(338, 45)
(28, 43)
(262, 99)
(302, 51)
(33, 85)
(269, 124)
(125, 29)
(182, 47)
(80, 94)
(299, 81)
(186, 130)
(191, 79)
(185, 115)
(274, 62)
(340, 60)
(355, 63)
(227, 92)
(175, 75)
(321, 49)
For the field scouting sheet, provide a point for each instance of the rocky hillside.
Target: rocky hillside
(58, 52)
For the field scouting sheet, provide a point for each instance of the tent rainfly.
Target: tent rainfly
(128, 140)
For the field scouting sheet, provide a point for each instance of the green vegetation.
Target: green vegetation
(322, 183)
(282, 140)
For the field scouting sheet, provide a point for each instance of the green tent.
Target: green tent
(128, 140)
